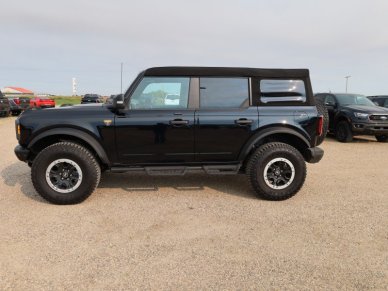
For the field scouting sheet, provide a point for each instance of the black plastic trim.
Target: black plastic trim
(89, 139)
(267, 132)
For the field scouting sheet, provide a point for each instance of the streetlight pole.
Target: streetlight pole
(346, 88)
(121, 79)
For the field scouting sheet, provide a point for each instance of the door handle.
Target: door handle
(243, 121)
(179, 122)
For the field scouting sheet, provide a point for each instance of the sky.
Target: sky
(45, 43)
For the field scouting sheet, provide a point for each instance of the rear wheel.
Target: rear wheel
(343, 132)
(382, 138)
(65, 173)
(276, 171)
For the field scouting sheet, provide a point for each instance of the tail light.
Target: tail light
(17, 101)
(320, 126)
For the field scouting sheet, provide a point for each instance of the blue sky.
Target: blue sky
(45, 42)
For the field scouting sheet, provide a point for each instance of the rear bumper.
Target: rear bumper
(22, 153)
(314, 155)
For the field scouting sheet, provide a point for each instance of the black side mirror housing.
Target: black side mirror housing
(330, 105)
(118, 102)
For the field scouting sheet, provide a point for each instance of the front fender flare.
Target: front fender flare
(86, 137)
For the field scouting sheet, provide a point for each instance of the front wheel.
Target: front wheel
(343, 132)
(276, 171)
(382, 138)
(65, 173)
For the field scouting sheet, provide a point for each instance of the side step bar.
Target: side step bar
(181, 170)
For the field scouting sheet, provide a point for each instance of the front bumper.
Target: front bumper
(370, 128)
(313, 155)
(22, 153)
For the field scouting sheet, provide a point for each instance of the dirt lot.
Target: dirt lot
(200, 232)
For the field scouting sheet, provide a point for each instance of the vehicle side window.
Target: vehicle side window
(287, 90)
(161, 93)
(330, 100)
(224, 92)
(385, 103)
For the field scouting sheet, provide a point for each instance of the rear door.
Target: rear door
(225, 119)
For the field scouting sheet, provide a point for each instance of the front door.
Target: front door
(157, 127)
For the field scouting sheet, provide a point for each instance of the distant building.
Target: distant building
(11, 91)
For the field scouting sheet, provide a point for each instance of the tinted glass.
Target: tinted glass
(353, 99)
(282, 91)
(330, 100)
(224, 92)
(385, 104)
(161, 93)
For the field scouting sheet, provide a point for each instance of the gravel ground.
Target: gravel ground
(200, 232)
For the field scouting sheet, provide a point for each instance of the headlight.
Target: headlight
(361, 115)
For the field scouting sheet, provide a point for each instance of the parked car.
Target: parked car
(260, 122)
(18, 104)
(380, 100)
(4, 106)
(92, 98)
(42, 102)
(354, 114)
(172, 99)
(109, 100)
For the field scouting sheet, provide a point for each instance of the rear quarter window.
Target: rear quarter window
(277, 92)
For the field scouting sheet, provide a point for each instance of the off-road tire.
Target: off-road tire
(343, 132)
(86, 161)
(262, 157)
(322, 110)
(382, 138)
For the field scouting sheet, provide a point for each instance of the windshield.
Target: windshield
(352, 99)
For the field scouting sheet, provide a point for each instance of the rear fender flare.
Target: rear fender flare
(268, 132)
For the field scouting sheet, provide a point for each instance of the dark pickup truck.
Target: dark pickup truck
(4, 106)
(354, 114)
(260, 122)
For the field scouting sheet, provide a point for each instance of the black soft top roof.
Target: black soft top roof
(226, 71)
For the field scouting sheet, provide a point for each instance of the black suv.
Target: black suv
(262, 122)
(380, 100)
(92, 98)
(354, 114)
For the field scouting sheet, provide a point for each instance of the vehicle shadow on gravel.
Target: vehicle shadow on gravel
(237, 185)
(20, 174)
(356, 139)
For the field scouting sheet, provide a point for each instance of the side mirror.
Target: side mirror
(118, 102)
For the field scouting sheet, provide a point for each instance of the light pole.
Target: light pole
(346, 88)
(121, 79)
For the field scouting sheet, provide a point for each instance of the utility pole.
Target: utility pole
(346, 88)
(121, 82)
(74, 81)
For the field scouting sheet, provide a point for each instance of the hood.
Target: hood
(367, 109)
